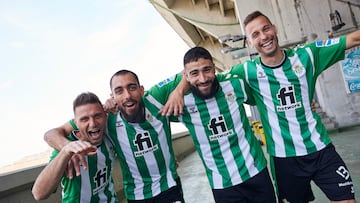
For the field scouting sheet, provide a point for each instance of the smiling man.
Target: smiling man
(283, 84)
(94, 184)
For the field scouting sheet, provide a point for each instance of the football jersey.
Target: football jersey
(283, 96)
(220, 131)
(145, 152)
(95, 184)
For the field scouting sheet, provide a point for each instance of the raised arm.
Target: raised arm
(56, 137)
(353, 39)
(50, 177)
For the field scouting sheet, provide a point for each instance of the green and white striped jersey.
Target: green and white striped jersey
(283, 96)
(145, 152)
(95, 184)
(221, 132)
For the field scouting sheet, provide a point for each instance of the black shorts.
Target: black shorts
(325, 168)
(258, 189)
(172, 195)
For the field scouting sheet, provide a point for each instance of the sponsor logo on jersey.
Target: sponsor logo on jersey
(261, 74)
(286, 96)
(166, 81)
(100, 180)
(217, 126)
(144, 143)
(192, 109)
(326, 43)
(119, 124)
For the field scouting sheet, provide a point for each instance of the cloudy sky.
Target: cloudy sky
(53, 50)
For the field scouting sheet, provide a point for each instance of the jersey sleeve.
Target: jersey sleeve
(163, 89)
(238, 70)
(328, 52)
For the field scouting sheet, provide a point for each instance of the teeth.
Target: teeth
(129, 104)
(267, 44)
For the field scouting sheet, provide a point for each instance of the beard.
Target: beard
(213, 90)
(136, 116)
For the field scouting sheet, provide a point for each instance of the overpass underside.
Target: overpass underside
(217, 26)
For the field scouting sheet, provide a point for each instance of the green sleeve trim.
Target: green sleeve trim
(72, 123)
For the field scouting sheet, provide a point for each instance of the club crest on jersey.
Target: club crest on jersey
(192, 109)
(218, 127)
(298, 69)
(287, 98)
(149, 117)
(144, 143)
(230, 97)
(326, 43)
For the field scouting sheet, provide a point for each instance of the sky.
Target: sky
(51, 51)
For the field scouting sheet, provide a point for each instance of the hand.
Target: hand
(110, 106)
(79, 149)
(174, 104)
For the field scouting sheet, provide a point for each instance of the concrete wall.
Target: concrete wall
(16, 186)
(296, 21)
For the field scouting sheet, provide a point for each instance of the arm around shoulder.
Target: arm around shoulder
(56, 137)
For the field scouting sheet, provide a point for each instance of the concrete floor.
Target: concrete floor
(196, 187)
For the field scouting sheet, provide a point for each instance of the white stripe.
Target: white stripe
(204, 143)
(223, 142)
(239, 130)
(270, 108)
(294, 126)
(315, 136)
(85, 191)
(130, 160)
(152, 100)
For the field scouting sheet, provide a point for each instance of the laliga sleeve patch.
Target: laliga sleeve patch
(326, 43)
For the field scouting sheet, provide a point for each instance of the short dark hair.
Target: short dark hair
(254, 15)
(86, 98)
(195, 53)
(124, 72)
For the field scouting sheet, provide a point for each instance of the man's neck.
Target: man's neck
(275, 60)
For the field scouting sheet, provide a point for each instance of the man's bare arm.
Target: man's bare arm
(175, 102)
(56, 137)
(353, 39)
(51, 175)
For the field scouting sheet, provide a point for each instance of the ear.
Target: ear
(142, 90)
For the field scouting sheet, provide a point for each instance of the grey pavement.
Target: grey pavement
(196, 186)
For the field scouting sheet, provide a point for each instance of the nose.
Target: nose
(263, 35)
(126, 93)
(202, 77)
(92, 122)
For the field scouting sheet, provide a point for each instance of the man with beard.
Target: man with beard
(94, 184)
(142, 140)
(214, 114)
